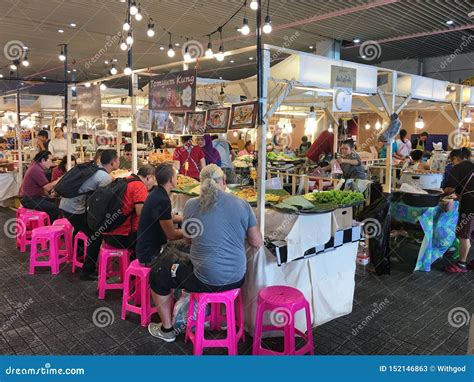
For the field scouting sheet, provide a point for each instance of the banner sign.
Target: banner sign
(173, 92)
(89, 102)
(343, 77)
(342, 100)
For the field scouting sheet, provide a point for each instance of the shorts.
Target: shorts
(465, 226)
(166, 275)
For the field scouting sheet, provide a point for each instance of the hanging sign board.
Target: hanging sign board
(173, 92)
(342, 77)
(89, 102)
(144, 119)
(342, 100)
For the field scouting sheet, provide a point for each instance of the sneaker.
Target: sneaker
(155, 331)
(470, 265)
(455, 268)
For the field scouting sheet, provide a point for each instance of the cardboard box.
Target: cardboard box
(341, 219)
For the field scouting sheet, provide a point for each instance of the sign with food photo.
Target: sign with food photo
(243, 115)
(217, 120)
(173, 92)
(159, 121)
(175, 124)
(196, 123)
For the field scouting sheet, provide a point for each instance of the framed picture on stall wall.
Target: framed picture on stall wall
(175, 124)
(159, 121)
(218, 120)
(243, 115)
(195, 123)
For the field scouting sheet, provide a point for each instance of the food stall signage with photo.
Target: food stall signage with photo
(243, 115)
(343, 77)
(173, 92)
(217, 120)
(89, 105)
(342, 100)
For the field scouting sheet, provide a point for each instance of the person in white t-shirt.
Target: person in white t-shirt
(58, 145)
(403, 145)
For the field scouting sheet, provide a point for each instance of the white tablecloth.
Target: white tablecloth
(9, 186)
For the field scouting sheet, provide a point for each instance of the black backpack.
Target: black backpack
(68, 186)
(104, 206)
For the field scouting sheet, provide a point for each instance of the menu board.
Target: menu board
(89, 105)
(217, 120)
(159, 121)
(144, 119)
(173, 92)
(195, 123)
(175, 124)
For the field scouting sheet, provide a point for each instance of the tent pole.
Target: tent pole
(134, 89)
(68, 129)
(388, 159)
(18, 128)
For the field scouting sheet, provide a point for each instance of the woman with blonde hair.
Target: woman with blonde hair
(216, 224)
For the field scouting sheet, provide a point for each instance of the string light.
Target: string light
(129, 39)
(209, 53)
(113, 70)
(139, 16)
(254, 5)
(171, 52)
(367, 126)
(267, 27)
(133, 8)
(126, 25)
(220, 55)
(13, 66)
(123, 45)
(245, 30)
(378, 125)
(187, 57)
(127, 71)
(103, 87)
(25, 61)
(151, 31)
(419, 124)
(62, 57)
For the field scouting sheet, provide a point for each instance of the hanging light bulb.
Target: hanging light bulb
(62, 56)
(254, 5)
(73, 88)
(187, 57)
(129, 39)
(468, 117)
(267, 28)
(87, 84)
(419, 124)
(139, 16)
(171, 52)
(331, 130)
(127, 71)
(123, 45)
(378, 125)
(113, 70)
(311, 124)
(209, 53)
(151, 31)
(25, 61)
(13, 66)
(133, 8)
(367, 126)
(103, 86)
(220, 55)
(245, 30)
(126, 26)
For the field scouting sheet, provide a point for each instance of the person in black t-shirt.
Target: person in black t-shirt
(156, 224)
(158, 142)
(460, 180)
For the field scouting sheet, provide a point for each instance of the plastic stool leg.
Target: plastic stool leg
(231, 328)
(257, 336)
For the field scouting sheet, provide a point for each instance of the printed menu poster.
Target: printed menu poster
(173, 92)
(89, 102)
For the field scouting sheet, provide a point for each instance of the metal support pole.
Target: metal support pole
(18, 128)
(389, 159)
(134, 88)
(263, 73)
(65, 87)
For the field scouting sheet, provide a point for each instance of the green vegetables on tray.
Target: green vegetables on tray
(335, 197)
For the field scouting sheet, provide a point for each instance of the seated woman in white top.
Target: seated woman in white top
(58, 145)
(403, 145)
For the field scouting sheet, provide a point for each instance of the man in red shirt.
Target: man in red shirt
(189, 159)
(322, 145)
(125, 236)
(35, 187)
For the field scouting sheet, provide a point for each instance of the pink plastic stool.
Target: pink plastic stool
(26, 221)
(235, 325)
(137, 290)
(106, 256)
(77, 259)
(42, 236)
(282, 302)
(66, 249)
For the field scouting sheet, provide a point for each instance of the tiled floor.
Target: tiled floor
(401, 313)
